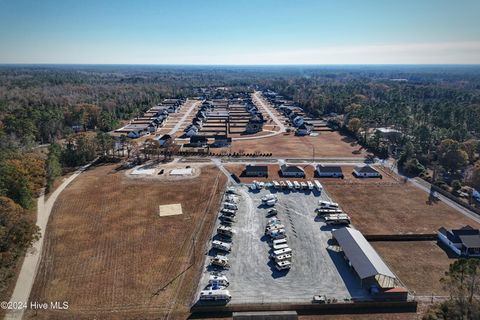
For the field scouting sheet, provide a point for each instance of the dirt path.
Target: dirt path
(25, 280)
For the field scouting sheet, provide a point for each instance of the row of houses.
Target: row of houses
(151, 120)
(366, 171)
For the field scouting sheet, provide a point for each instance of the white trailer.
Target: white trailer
(328, 204)
(220, 261)
(224, 246)
(310, 185)
(284, 257)
(225, 231)
(337, 219)
(318, 185)
(279, 241)
(283, 265)
(280, 246)
(279, 252)
(269, 229)
(214, 280)
(289, 185)
(283, 185)
(296, 185)
(303, 185)
(215, 295)
(276, 185)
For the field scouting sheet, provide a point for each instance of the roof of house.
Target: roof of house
(365, 169)
(286, 168)
(470, 241)
(329, 169)
(250, 167)
(198, 138)
(363, 257)
(455, 235)
(165, 137)
(221, 137)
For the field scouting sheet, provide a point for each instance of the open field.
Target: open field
(394, 208)
(326, 144)
(419, 264)
(109, 254)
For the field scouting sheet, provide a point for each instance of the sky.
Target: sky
(245, 32)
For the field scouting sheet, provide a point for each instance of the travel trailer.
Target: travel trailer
(221, 245)
(215, 295)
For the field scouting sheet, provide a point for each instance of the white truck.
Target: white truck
(223, 246)
(215, 295)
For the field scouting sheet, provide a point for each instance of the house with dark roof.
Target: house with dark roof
(304, 129)
(464, 242)
(220, 141)
(329, 171)
(165, 139)
(366, 172)
(198, 141)
(292, 171)
(255, 171)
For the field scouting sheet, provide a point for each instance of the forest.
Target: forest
(55, 107)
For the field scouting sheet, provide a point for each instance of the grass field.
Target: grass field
(109, 254)
(393, 208)
(418, 264)
(326, 144)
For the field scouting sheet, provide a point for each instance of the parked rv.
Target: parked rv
(221, 245)
(280, 246)
(215, 295)
(218, 280)
(342, 219)
(284, 257)
(220, 261)
(303, 185)
(226, 231)
(328, 204)
(289, 185)
(283, 265)
(310, 185)
(277, 253)
(318, 185)
(276, 185)
(283, 185)
(296, 185)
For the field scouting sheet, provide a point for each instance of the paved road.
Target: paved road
(182, 119)
(256, 97)
(25, 280)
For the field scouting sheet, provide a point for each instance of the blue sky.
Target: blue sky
(240, 31)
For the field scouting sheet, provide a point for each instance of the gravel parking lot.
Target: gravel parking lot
(315, 269)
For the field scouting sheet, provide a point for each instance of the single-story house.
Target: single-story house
(198, 141)
(298, 121)
(256, 171)
(366, 172)
(464, 242)
(329, 171)
(221, 141)
(292, 171)
(164, 139)
(304, 129)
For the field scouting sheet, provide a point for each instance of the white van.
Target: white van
(215, 295)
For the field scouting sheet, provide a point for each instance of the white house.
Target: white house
(464, 242)
(366, 172)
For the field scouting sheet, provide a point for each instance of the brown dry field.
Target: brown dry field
(376, 316)
(393, 208)
(418, 264)
(109, 254)
(326, 144)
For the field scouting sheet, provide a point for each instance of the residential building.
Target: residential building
(366, 172)
(256, 171)
(292, 171)
(329, 171)
(464, 242)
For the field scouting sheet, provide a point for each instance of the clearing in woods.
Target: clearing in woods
(109, 254)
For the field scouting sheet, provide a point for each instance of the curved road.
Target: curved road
(25, 279)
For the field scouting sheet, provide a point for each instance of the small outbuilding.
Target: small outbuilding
(292, 171)
(366, 172)
(256, 171)
(464, 242)
(329, 171)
